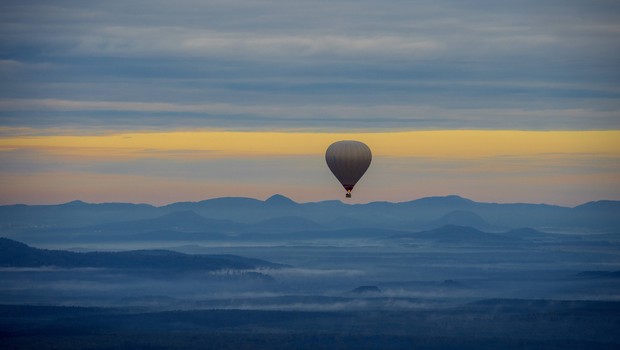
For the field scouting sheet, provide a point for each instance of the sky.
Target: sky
(164, 101)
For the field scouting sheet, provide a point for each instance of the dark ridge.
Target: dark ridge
(600, 205)
(366, 290)
(526, 232)
(458, 234)
(16, 254)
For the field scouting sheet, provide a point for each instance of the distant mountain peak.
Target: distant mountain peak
(75, 203)
(279, 200)
(443, 200)
(456, 197)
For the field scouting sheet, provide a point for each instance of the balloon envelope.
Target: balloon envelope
(348, 160)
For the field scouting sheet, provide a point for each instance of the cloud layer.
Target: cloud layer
(360, 65)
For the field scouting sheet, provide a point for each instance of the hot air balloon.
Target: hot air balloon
(348, 160)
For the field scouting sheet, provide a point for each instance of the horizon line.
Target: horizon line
(79, 201)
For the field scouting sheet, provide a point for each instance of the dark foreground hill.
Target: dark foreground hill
(16, 254)
(459, 234)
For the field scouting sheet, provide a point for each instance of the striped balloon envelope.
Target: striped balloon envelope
(348, 160)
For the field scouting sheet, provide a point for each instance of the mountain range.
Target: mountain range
(226, 217)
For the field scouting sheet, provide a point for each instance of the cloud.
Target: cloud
(363, 52)
(50, 269)
(15, 65)
(175, 41)
(339, 27)
(315, 273)
(311, 116)
(341, 64)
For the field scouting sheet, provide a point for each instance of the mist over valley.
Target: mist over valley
(409, 273)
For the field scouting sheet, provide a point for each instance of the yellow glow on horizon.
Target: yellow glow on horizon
(569, 167)
(439, 143)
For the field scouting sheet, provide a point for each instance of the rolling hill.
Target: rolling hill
(280, 214)
(17, 254)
